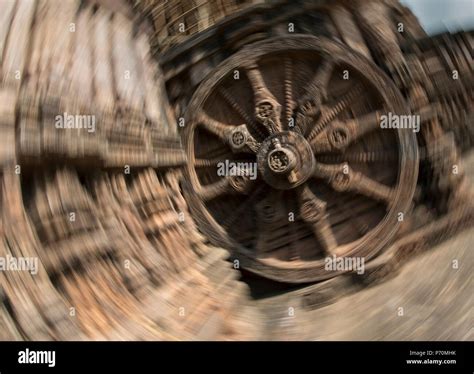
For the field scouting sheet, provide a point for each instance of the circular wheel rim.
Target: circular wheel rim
(368, 246)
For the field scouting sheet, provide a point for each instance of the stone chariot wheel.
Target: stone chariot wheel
(304, 113)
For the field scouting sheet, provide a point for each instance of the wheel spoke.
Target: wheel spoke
(204, 163)
(211, 191)
(233, 104)
(329, 113)
(340, 134)
(237, 137)
(364, 157)
(267, 108)
(373, 189)
(316, 93)
(270, 211)
(224, 186)
(289, 102)
(342, 178)
(240, 111)
(217, 128)
(247, 204)
(313, 212)
(260, 89)
(321, 79)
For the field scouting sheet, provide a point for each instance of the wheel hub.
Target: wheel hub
(285, 160)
